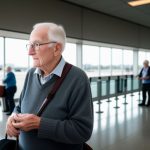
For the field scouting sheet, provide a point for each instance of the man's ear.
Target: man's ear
(57, 49)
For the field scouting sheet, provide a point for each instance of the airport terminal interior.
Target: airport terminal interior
(109, 40)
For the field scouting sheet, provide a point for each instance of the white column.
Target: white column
(79, 55)
(135, 61)
(4, 63)
(99, 65)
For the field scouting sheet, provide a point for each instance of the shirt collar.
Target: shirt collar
(57, 70)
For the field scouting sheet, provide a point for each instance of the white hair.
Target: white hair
(55, 32)
(146, 61)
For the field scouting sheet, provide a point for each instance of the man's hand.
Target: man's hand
(26, 122)
(10, 129)
(141, 78)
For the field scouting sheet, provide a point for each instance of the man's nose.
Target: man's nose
(31, 51)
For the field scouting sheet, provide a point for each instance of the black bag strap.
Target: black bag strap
(55, 88)
(52, 93)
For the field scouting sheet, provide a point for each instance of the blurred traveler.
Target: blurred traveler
(145, 77)
(10, 84)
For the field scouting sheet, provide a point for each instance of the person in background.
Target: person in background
(145, 77)
(67, 121)
(10, 84)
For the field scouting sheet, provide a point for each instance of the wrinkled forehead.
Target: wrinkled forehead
(39, 34)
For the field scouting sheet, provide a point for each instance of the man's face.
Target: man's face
(8, 69)
(145, 64)
(44, 54)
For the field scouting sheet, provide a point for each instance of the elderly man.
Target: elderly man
(67, 121)
(145, 77)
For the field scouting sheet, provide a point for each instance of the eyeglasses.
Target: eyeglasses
(36, 46)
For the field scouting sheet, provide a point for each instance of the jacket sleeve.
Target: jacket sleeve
(77, 128)
(7, 79)
(140, 74)
(148, 72)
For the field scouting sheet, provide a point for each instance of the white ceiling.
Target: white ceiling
(118, 8)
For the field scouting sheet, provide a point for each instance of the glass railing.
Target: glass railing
(104, 86)
(111, 86)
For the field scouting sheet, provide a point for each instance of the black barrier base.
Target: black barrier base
(139, 97)
(116, 107)
(125, 103)
(108, 100)
(116, 99)
(99, 112)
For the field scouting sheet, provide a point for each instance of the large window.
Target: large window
(116, 61)
(105, 61)
(90, 58)
(127, 62)
(96, 60)
(1, 59)
(69, 53)
(16, 57)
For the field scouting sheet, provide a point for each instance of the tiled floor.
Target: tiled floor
(126, 128)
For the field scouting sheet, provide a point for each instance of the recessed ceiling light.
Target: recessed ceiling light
(138, 2)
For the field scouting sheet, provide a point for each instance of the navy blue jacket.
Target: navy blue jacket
(148, 74)
(10, 80)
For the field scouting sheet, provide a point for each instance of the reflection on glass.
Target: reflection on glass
(105, 61)
(135, 84)
(127, 62)
(112, 86)
(1, 58)
(94, 89)
(104, 88)
(16, 57)
(90, 59)
(122, 85)
(69, 53)
(129, 84)
(116, 61)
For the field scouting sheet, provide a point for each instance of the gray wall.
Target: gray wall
(80, 23)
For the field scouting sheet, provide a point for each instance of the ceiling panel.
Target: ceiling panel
(118, 8)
